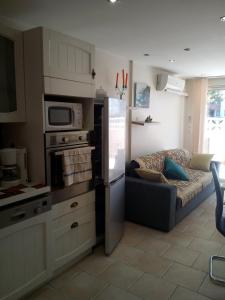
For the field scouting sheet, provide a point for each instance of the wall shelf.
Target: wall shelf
(143, 123)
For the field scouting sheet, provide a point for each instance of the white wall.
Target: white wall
(166, 108)
(107, 65)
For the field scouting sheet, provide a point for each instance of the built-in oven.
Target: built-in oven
(56, 143)
(60, 116)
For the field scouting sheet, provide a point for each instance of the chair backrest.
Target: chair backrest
(219, 202)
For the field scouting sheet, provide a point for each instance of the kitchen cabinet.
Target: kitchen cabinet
(12, 94)
(67, 63)
(73, 228)
(25, 256)
(67, 58)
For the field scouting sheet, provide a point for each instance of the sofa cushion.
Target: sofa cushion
(151, 175)
(172, 170)
(153, 161)
(201, 161)
(180, 156)
(186, 190)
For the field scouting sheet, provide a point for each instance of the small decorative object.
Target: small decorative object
(121, 91)
(101, 93)
(141, 95)
(148, 119)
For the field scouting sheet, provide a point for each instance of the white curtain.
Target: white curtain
(197, 107)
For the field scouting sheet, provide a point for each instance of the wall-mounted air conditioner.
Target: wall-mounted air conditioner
(171, 84)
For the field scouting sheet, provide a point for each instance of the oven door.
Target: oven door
(54, 177)
(59, 116)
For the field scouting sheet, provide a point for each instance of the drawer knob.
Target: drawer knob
(74, 204)
(74, 225)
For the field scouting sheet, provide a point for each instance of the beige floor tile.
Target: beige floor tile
(114, 293)
(177, 238)
(199, 231)
(132, 238)
(96, 263)
(61, 279)
(212, 290)
(153, 264)
(126, 254)
(181, 255)
(47, 293)
(184, 294)
(81, 287)
(150, 287)
(218, 237)
(182, 226)
(120, 275)
(222, 251)
(205, 246)
(185, 276)
(202, 263)
(153, 245)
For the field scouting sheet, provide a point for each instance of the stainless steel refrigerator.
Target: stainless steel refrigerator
(113, 124)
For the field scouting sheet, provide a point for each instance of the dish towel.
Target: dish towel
(77, 166)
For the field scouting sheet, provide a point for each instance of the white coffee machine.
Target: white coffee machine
(13, 166)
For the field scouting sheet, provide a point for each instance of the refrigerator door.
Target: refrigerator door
(114, 138)
(114, 213)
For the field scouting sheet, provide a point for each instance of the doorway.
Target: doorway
(215, 127)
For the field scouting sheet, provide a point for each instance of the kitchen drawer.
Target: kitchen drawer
(72, 238)
(73, 204)
(74, 215)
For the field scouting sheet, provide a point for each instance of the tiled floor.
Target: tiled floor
(148, 264)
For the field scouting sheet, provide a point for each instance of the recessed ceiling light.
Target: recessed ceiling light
(187, 49)
(113, 1)
(222, 19)
(146, 54)
(172, 60)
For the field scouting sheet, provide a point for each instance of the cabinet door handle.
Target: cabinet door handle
(74, 225)
(74, 204)
(93, 74)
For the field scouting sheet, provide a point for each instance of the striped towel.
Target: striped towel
(77, 166)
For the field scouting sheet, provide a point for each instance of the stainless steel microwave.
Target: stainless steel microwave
(60, 116)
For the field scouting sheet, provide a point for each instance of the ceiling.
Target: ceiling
(162, 28)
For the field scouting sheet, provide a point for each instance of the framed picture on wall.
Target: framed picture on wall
(141, 95)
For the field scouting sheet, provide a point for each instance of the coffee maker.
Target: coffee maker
(13, 170)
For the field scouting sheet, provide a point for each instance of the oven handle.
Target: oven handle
(61, 152)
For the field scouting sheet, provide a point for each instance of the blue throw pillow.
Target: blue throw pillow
(174, 171)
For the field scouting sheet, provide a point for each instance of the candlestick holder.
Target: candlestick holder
(121, 91)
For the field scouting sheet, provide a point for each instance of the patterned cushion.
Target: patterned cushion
(151, 175)
(180, 156)
(153, 161)
(186, 190)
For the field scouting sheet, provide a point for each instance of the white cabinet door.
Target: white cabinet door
(76, 235)
(25, 260)
(73, 228)
(67, 58)
(19, 114)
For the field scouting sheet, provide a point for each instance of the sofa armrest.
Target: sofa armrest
(151, 204)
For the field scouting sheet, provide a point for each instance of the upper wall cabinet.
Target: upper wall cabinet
(68, 63)
(67, 58)
(12, 96)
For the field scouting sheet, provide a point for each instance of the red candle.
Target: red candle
(117, 77)
(123, 77)
(126, 82)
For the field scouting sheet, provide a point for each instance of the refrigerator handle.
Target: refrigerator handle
(117, 179)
